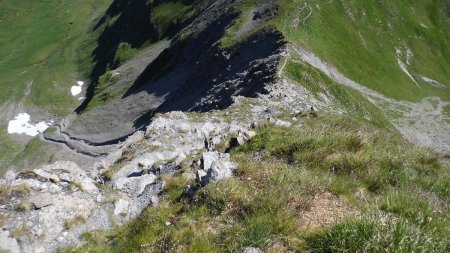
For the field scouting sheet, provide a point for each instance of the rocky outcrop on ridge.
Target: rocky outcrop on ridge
(52, 206)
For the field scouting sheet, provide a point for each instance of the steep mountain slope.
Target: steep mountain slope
(175, 62)
(193, 73)
(407, 57)
(38, 43)
(222, 125)
(392, 47)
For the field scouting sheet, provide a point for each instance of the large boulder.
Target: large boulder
(134, 185)
(216, 166)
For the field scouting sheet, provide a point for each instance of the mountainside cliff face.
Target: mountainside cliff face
(221, 49)
(206, 120)
(194, 73)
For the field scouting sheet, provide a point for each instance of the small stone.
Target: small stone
(154, 201)
(188, 175)
(201, 174)
(184, 128)
(121, 206)
(144, 181)
(72, 173)
(145, 163)
(46, 175)
(241, 140)
(54, 178)
(282, 123)
(252, 250)
(134, 184)
(99, 198)
(209, 129)
(251, 134)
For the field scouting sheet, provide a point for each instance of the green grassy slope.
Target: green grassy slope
(379, 192)
(360, 39)
(38, 41)
(352, 101)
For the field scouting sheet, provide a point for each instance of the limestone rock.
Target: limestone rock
(41, 200)
(10, 175)
(135, 185)
(184, 128)
(8, 244)
(46, 175)
(188, 175)
(121, 207)
(70, 172)
(51, 218)
(282, 123)
(215, 167)
(252, 250)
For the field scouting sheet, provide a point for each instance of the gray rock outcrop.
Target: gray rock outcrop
(216, 167)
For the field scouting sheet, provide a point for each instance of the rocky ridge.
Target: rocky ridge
(53, 205)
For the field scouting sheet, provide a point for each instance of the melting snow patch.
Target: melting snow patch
(403, 67)
(21, 125)
(432, 82)
(76, 89)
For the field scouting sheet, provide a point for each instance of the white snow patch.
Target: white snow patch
(76, 89)
(432, 82)
(409, 55)
(403, 67)
(21, 125)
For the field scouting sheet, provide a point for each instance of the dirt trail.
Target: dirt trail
(78, 146)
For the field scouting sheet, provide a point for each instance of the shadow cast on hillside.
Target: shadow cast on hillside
(125, 21)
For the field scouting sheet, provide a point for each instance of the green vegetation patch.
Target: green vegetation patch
(170, 14)
(320, 85)
(283, 176)
(35, 153)
(375, 234)
(37, 43)
(229, 39)
(361, 38)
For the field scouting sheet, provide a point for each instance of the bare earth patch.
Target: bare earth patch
(326, 209)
